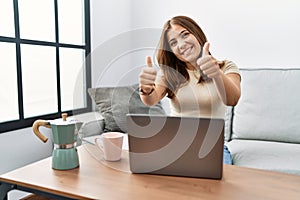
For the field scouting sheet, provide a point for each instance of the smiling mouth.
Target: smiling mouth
(187, 51)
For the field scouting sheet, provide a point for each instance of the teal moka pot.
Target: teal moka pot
(65, 133)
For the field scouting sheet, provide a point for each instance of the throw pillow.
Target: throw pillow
(114, 103)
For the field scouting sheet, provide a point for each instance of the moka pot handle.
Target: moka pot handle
(36, 131)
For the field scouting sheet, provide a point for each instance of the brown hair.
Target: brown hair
(167, 60)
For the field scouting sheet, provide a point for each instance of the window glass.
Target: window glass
(72, 67)
(9, 109)
(7, 18)
(39, 80)
(37, 23)
(71, 21)
(42, 60)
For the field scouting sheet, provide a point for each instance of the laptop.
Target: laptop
(176, 146)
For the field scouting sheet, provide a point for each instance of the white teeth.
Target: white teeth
(187, 51)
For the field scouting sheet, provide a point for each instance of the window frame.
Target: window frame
(22, 122)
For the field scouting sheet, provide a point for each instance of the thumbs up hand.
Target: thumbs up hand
(147, 77)
(206, 49)
(208, 64)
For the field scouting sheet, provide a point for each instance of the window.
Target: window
(44, 62)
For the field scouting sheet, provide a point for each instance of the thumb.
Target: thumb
(149, 61)
(206, 48)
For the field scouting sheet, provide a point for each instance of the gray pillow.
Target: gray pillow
(114, 103)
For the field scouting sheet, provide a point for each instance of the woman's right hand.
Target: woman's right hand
(147, 77)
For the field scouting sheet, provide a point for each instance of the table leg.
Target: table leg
(4, 189)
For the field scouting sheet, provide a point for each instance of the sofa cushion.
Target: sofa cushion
(114, 103)
(274, 156)
(269, 107)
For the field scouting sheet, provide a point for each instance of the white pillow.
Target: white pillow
(269, 107)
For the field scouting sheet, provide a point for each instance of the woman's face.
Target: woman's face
(183, 44)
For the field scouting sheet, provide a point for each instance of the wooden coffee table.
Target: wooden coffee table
(94, 180)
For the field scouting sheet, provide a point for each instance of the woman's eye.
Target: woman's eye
(173, 43)
(185, 34)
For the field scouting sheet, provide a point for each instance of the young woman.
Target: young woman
(197, 83)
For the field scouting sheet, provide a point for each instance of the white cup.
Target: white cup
(111, 145)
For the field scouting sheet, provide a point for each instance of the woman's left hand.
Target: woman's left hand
(208, 64)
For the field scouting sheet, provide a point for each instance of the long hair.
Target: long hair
(167, 60)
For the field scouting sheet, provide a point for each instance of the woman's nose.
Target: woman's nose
(181, 44)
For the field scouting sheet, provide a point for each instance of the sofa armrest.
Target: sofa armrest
(228, 123)
(93, 123)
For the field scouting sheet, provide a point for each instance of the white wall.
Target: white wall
(249, 32)
(21, 147)
(110, 25)
(252, 33)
